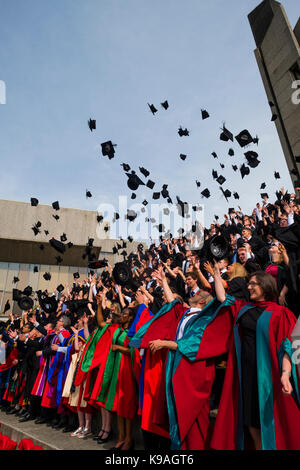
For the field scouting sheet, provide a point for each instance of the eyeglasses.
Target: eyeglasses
(253, 283)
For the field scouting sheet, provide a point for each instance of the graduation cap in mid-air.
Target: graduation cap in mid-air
(108, 149)
(35, 269)
(263, 186)
(245, 170)
(60, 288)
(59, 259)
(57, 245)
(214, 155)
(165, 104)
(226, 193)
(231, 152)
(70, 244)
(164, 191)
(88, 193)
(35, 229)
(55, 205)
(99, 218)
(277, 175)
(221, 180)
(236, 196)
(92, 124)
(274, 117)
(15, 279)
(150, 184)
(134, 181)
(106, 228)
(133, 196)
(152, 108)
(131, 215)
(76, 275)
(47, 276)
(206, 193)
(144, 172)
(56, 217)
(244, 138)
(34, 201)
(204, 114)
(252, 159)
(125, 166)
(182, 156)
(156, 196)
(226, 134)
(198, 184)
(222, 166)
(145, 203)
(183, 132)
(264, 196)
(234, 167)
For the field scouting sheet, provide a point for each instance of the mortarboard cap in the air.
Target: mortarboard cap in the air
(206, 193)
(106, 228)
(226, 193)
(236, 196)
(70, 244)
(108, 149)
(183, 132)
(57, 245)
(165, 192)
(47, 276)
(88, 193)
(244, 138)
(198, 184)
(145, 203)
(245, 170)
(150, 184)
(182, 156)
(55, 205)
(130, 239)
(56, 217)
(125, 166)
(252, 159)
(76, 275)
(35, 229)
(271, 104)
(46, 232)
(35, 269)
(134, 181)
(204, 114)
(264, 195)
(59, 259)
(234, 167)
(42, 247)
(145, 172)
(226, 135)
(99, 218)
(165, 104)
(34, 201)
(263, 186)
(133, 196)
(92, 124)
(277, 175)
(63, 237)
(214, 155)
(152, 108)
(60, 288)
(156, 196)
(297, 159)
(222, 166)
(131, 215)
(231, 152)
(115, 250)
(274, 117)
(15, 279)
(221, 180)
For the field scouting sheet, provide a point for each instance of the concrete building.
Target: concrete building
(278, 59)
(20, 249)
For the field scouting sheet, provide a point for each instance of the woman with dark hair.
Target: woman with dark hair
(260, 375)
(113, 386)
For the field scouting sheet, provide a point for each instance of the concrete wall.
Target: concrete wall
(277, 53)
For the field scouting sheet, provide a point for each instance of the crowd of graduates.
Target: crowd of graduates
(198, 348)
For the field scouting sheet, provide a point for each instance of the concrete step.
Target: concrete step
(51, 439)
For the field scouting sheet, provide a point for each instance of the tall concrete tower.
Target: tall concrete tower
(278, 59)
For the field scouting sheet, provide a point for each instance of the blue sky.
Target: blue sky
(65, 61)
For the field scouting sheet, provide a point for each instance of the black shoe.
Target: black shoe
(98, 436)
(102, 440)
(41, 421)
(21, 412)
(70, 428)
(53, 422)
(26, 417)
(11, 411)
(62, 423)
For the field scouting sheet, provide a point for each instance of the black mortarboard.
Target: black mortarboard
(90, 242)
(92, 124)
(231, 152)
(56, 217)
(35, 269)
(145, 172)
(277, 175)
(204, 113)
(206, 193)
(236, 196)
(38, 224)
(156, 196)
(182, 156)
(152, 108)
(16, 279)
(47, 276)
(124, 244)
(55, 205)
(119, 246)
(160, 228)
(130, 239)
(133, 196)
(42, 247)
(222, 166)
(46, 232)
(263, 195)
(221, 180)
(131, 215)
(106, 228)
(60, 288)
(63, 237)
(59, 259)
(183, 132)
(252, 159)
(70, 244)
(125, 166)
(34, 201)
(170, 200)
(226, 135)
(216, 217)
(150, 184)
(134, 181)
(297, 159)
(274, 117)
(165, 192)
(226, 193)
(244, 138)
(57, 245)
(108, 149)
(99, 218)
(271, 103)
(234, 167)
(76, 275)
(7, 306)
(115, 250)
(165, 104)
(35, 229)
(198, 184)
(88, 193)
(116, 216)
(214, 155)
(255, 140)
(245, 170)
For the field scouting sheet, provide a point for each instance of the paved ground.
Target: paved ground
(48, 438)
